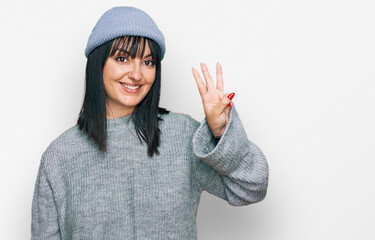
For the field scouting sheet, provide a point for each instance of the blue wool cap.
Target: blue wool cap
(124, 21)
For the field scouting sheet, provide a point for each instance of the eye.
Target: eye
(149, 63)
(121, 59)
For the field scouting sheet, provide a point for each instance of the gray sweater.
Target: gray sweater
(82, 194)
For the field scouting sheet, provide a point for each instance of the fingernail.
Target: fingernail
(230, 96)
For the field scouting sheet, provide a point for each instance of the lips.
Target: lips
(131, 88)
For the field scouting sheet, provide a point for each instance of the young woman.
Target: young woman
(132, 170)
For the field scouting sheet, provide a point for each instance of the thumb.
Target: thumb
(226, 100)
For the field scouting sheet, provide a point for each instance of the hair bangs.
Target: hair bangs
(134, 46)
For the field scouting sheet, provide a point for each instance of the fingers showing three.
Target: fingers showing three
(203, 88)
(225, 99)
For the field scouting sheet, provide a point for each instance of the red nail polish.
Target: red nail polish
(230, 96)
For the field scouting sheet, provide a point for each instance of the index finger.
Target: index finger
(201, 86)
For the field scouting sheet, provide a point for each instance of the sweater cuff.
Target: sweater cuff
(223, 155)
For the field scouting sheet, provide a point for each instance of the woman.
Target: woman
(129, 169)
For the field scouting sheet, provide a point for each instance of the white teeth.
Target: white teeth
(130, 87)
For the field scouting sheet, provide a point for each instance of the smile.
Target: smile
(130, 87)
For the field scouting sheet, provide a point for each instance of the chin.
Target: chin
(129, 105)
(126, 102)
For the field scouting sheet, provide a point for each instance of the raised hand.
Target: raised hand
(216, 104)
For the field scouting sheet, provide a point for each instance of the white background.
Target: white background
(303, 74)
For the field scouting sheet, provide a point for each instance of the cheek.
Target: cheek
(110, 75)
(150, 76)
(111, 72)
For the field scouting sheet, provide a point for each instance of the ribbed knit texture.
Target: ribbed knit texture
(82, 194)
(124, 21)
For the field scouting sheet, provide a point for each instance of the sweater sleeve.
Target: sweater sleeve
(44, 214)
(232, 168)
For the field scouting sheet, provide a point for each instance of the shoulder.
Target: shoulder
(69, 141)
(66, 139)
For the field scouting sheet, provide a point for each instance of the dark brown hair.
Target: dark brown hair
(93, 116)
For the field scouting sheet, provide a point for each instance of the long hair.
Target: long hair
(93, 116)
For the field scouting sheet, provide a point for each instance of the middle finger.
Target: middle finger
(209, 82)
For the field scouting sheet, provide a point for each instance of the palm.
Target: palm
(214, 103)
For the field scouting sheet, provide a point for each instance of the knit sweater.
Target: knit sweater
(82, 193)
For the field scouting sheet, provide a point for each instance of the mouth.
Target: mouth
(131, 88)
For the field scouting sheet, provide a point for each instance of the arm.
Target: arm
(44, 214)
(232, 168)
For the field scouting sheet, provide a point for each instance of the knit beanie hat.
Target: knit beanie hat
(124, 21)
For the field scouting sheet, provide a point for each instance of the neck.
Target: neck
(114, 112)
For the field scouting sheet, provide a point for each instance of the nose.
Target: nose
(135, 71)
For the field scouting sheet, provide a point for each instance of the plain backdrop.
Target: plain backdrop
(303, 74)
